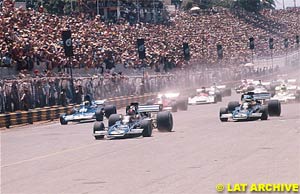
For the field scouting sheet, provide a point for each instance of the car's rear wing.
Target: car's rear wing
(149, 108)
(261, 96)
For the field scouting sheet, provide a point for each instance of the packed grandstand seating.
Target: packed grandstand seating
(31, 37)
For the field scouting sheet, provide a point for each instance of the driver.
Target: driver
(132, 112)
(250, 101)
(283, 88)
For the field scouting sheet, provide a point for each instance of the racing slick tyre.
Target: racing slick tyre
(228, 92)
(113, 119)
(174, 107)
(274, 108)
(219, 97)
(109, 110)
(264, 111)
(99, 114)
(98, 126)
(182, 104)
(164, 121)
(147, 126)
(63, 120)
(232, 105)
(223, 111)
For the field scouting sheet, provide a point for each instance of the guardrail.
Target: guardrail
(51, 113)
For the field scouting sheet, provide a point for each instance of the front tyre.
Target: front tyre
(98, 126)
(63, 120)
(223, 111)
(264, 111)
(109, 110)
(146, 125)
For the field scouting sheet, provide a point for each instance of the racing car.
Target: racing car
(205, 96)
(139, 120)
(251, 108)
(171, 101)
(287, 93)
(89, 110)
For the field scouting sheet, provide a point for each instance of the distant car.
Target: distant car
(204, 96)
(252, 109)
(171, 101)
(287, 93)
(138, 121)
(89, 110)
(224, 90)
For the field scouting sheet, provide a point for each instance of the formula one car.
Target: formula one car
(223, 89)
(89, 110)
(206, 96)
(171, 101)
(138, 121)
(287, 93)
(251, 108)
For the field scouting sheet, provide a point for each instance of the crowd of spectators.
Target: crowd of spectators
(30, 38)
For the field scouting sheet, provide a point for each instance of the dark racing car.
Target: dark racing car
(139, 120)
(251, 108)
(89, 110)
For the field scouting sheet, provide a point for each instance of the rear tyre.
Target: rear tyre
(223, 111)
(274, 108)
(164, 121)
(99, 114)
(174, 107)
(232, 105)
(113, 119)
(219, 97)
(183, 104)
(63, 120)
(264, 111)
(109, 110)
(147, 126)
(99, 126)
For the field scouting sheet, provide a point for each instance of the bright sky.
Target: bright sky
(287, 3)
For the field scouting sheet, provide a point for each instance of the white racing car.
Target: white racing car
(205, 96)
(287, 94)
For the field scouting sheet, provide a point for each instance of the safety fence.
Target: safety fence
(54, 112)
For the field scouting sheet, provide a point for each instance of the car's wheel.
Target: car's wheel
(99, 114)
(147, 126)
(223, 111)
(182, 104)
(174, 107)
(274, 108)
(219, 97)
(164, 121)
(99, 126)
(232, 105)
(63, 120)
(113, 119)
(228, 92)
(264, 111)
(109, 110)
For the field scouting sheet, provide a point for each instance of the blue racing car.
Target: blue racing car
(251, 108)
(138, 121)
(89, 110)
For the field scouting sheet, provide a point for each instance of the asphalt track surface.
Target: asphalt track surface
(200, 153)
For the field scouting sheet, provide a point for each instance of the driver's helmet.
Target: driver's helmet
(248, 98)
(87, 103)
(131, 111)
(283, 87)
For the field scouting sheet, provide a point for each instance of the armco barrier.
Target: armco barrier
(51, 113)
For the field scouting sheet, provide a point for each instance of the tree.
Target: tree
(255, 5)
